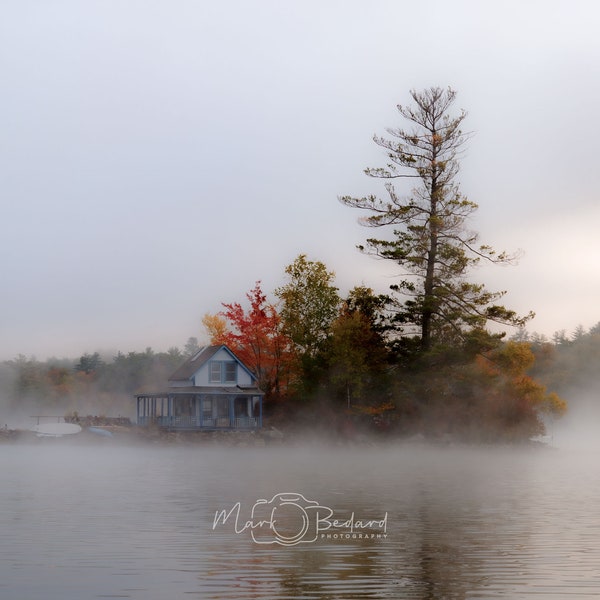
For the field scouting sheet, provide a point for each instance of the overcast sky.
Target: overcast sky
(159, 157)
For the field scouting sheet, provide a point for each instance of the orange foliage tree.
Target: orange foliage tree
(515, 398)
(256, 337)
(216, 327)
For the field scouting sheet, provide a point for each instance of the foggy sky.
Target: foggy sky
(158, 158)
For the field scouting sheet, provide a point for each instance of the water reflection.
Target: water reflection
(137, 523)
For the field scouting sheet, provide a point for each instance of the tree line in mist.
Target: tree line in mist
(104, 385)
(421, 358)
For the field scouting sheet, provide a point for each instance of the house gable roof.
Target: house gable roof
(191, 367)
(187, 370)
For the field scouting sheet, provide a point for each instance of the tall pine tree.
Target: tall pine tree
(431, 242)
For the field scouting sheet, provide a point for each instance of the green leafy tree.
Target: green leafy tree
(431, 241)
(357, 351)
(309, 304)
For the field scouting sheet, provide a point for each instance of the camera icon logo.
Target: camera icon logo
(287, 519)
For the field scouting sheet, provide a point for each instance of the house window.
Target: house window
(230, 372)
(215, 371)
(223, 371)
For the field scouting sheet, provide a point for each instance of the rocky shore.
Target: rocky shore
(95, 430)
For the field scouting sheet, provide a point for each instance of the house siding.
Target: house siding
(202, 376)
(194, 402)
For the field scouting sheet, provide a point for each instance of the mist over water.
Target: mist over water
(113, 520)
(578, 429)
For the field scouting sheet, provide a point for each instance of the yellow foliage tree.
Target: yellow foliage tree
(216, 328)
(511, 362)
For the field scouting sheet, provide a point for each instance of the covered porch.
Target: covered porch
(201, 410)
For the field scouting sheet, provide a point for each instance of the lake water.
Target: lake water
(115, 521)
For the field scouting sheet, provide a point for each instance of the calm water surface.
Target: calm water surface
(80, 522)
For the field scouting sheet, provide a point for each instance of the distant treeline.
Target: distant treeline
(567, 362)
(91, 384)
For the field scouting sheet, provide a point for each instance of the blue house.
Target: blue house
(213, 390)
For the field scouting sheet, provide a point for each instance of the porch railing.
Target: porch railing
(189, 422)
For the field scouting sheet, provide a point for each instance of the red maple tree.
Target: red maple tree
(256, 337)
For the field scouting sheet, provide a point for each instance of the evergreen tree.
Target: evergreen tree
(431, 241)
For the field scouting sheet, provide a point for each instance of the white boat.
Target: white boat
(56, 429)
